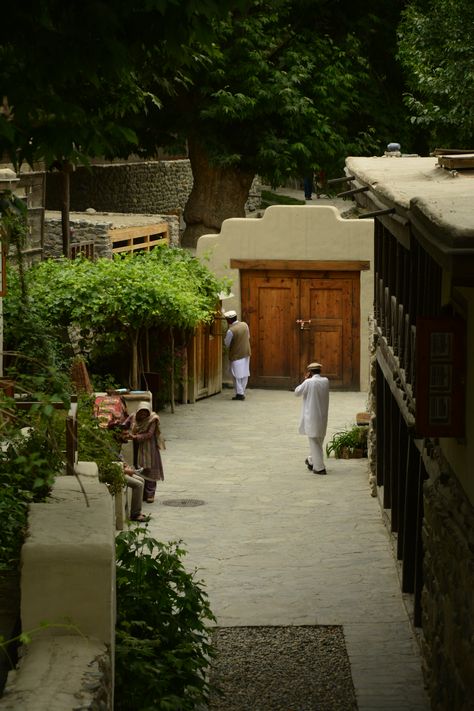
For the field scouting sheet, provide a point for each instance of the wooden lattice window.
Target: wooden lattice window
(86, 249)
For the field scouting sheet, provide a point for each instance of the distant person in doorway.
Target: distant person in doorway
(146, 436)
(308, 186)
(320, 183)
(314, 414)
(237, 341)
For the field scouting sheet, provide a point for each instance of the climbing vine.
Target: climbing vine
(14, 229)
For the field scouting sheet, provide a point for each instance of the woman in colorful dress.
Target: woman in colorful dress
(147, 440)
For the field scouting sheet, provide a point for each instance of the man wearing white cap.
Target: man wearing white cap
(314, 414)
(237, 341)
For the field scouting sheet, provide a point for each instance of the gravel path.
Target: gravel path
(282, 669)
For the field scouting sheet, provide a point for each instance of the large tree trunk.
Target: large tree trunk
(218, 193)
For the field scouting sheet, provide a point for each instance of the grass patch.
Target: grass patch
(269, 198)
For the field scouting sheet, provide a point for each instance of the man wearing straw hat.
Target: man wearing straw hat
(314, 414)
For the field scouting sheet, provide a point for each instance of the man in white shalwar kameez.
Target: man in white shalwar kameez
(237, 341)
(314, 414)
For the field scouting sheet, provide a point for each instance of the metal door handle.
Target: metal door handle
(303, 323)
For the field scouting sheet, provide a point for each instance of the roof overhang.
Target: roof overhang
(433, 204)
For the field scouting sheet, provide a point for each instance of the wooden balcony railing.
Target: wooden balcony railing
(407, 285)
(139, 238)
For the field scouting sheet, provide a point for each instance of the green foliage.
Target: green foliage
(13, 226)
(291, 85)
(436, 49)
(102, 383)
(347, 441)
(110, 302)
(34, 345)
(162, 639)
(99, 445)
(29, 462)
(280, 95)
(166, 287)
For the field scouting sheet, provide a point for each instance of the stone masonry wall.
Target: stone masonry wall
(448, 597)
(144, 187)
(148, 187)
(81, 231)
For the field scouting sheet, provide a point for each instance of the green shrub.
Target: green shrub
(163, 645)
(96, 444)
(29, 464)
(268, 198)
(346, 442)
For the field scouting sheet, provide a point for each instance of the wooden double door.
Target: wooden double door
(296, 317)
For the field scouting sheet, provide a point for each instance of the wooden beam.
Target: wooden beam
(456, 162)
(301, 265)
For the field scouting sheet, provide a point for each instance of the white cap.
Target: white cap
(230, 314)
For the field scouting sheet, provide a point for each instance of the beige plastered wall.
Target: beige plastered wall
(460, 452)
(306, 232)
(67, 600)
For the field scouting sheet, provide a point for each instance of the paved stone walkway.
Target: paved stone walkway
(278, 545)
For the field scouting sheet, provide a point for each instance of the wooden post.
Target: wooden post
(172, 401)
(65, 205)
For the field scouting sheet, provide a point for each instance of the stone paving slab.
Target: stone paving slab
(276, 544)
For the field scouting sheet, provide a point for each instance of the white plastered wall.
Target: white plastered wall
(306, 232)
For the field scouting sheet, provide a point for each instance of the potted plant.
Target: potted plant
(348, 444)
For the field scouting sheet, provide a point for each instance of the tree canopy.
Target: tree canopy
(290, 86)
(74, 73)
(274, 87)
(436, 48)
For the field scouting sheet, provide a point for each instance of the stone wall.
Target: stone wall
(82, 231)
(448, 598)
(372, 408)
(143, 187)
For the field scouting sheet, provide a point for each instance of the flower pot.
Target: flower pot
(345, 453)
(8, 386)
(350, 453)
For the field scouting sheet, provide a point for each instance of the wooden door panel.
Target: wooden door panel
(329, 305)
(270, 311)
(328, 342)
(325, 299)
(327, 302)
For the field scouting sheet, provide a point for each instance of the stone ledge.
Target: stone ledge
(67, 578)
(68, 560)
(60, 674)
